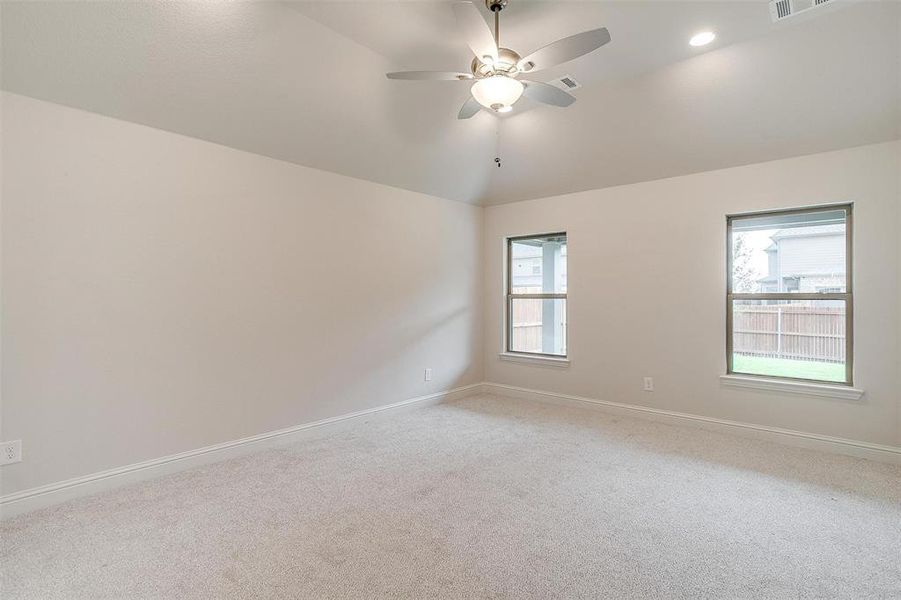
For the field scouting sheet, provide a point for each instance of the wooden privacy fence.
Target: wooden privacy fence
(794, 332)
(527, 328)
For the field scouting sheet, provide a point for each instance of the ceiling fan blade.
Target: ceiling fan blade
(469, 108)
(547, 94)
(429, 75)
(475, 30)
(565, 50)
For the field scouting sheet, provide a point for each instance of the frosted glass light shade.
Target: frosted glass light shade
(497, 92)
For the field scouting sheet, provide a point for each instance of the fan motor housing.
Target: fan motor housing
(507, 61)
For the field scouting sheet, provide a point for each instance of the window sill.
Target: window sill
(822, 390)
(544, 361)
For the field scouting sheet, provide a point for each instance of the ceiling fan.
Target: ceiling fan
(495, 69)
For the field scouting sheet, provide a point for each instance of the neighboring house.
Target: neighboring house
(527, 268)
(806, 260)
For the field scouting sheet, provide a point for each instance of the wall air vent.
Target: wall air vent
(783, 9)
(567, 82)
(779, 9)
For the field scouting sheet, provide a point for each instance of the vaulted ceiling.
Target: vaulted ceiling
(304, 82)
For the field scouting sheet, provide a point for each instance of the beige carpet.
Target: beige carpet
(486, 497)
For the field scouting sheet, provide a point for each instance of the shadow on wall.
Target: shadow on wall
(408, 341)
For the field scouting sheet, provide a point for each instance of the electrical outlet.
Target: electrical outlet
(649, 384)
(428, 375)
(11, 452)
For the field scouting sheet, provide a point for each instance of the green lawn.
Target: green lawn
(785, 367)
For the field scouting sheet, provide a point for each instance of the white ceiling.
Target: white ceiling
(304, 82)
(645, 34)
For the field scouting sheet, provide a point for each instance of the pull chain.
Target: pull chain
(497, 142)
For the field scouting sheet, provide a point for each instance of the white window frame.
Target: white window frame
(510, 296)
(847, 296)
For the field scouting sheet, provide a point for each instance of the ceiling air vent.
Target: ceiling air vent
(567, 82)
(779, 9)
(782, 9)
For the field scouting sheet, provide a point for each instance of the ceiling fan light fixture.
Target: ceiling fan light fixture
(497, 92)
(495, 68)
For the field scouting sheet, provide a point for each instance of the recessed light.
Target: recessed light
(702, 39)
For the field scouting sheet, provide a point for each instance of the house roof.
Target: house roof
(795, 232)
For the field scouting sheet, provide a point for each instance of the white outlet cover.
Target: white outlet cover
(11, 452)
(428, 374)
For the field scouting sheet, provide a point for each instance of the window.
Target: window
(789, 298)
(536, 295)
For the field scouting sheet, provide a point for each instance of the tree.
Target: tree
(744, 277)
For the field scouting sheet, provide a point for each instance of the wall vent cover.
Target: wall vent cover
(568, 82)
(779, 9)
(783, 9)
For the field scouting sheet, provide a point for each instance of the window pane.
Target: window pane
(539, 325)
(804, 339)
(802, 253)
(538, 265)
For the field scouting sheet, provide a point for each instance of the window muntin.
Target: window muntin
(789, 302)
(536, 295)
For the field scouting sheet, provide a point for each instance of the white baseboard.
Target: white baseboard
(54, 493)
(878, 452)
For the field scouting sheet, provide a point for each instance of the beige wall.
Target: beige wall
(647, 290)
(162, 293)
